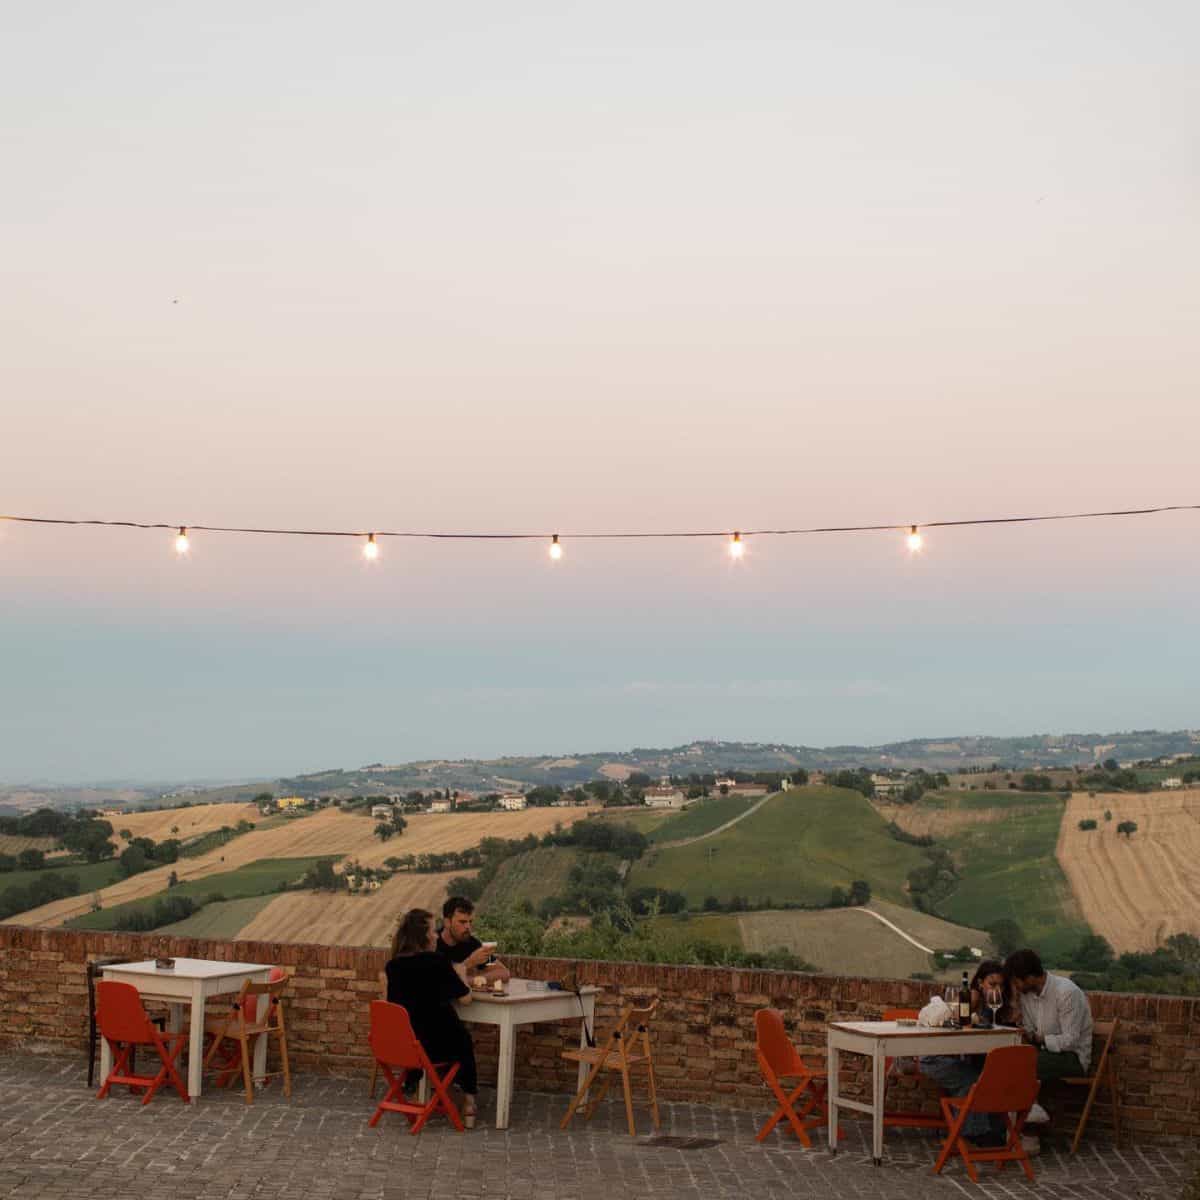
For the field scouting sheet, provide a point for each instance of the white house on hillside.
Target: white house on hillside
(512, 802)
(665, 796)
(381, 812)
(439, 806)
(1172, 781)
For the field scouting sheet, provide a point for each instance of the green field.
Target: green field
(703, 817)
(721, 928)
(260, 878)
(225, 919)
(644, 820)
(1007, 868)
(534, 876)
(796, 848)
(91, 876)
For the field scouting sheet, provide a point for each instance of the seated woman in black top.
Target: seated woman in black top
(426, 984)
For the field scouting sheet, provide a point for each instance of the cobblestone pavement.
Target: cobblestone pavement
(58, 1141)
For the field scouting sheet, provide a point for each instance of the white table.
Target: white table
(880, 1040)
(189, 981)
(524, 1007)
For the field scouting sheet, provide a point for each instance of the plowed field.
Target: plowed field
(1135, 891)
(343, 920)
(202, 818)
(331, 832)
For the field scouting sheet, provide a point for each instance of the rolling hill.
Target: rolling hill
(796, 848)
(1135, 891)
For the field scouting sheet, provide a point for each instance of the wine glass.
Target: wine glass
(993, 997)
(950, 995)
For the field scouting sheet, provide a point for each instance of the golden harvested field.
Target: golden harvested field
(191, 822)
(331, 832)
(947, 815)
(1135, 891)
(344, 920)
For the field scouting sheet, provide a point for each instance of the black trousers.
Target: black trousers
(450, 1043)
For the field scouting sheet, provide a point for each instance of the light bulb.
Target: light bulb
(555, 549)
(371, 549)
(736, 546)
(915, 540)
(181, 540)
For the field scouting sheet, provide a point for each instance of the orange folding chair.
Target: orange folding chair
(778, 1060)
(1102, 1072)
(124, 1024)
(394, 1045)
(906, 1120)
(1008, 1085)
(232, 1033)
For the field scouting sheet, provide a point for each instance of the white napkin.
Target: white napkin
(935, 1014)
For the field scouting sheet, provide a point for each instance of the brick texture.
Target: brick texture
(703, 1032)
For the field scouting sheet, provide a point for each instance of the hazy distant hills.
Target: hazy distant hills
(712, 756)
(701, 757)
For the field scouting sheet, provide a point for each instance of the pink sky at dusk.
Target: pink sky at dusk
(552, 269)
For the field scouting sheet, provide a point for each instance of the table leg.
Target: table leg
(506, 1062)
(196, 1043)
(832, 1066)
(588, 1023)
(106, 1059)
(878, 1080)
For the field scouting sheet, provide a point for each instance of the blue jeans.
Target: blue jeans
(956, 1074)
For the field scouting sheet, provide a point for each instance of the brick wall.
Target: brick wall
(703, 1033)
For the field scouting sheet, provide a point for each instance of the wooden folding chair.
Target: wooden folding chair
(124, 1024)
(1008, 1085)
(906, 1120)
(778, 1060)
(394, 1045)
(244, 1022)
(1102, 1072)
(625, 1052)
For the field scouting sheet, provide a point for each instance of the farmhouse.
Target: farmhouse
(749, 790)
(381, 812)
(664, 795)
(512, 802)
(284, 802)
(439, 806)
(1172, 781)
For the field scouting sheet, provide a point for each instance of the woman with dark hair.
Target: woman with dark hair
(990, 974)
(427, 985)
(957, 1073)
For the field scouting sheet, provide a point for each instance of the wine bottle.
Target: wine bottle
(964, 1003)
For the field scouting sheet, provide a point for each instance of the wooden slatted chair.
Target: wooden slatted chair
(1104, 1032)
(906, 1120)
(1007, 1086)
(778, 1059)
(627, 1049)
(246, 1021)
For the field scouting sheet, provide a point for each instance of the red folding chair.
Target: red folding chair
(394, 1045)
(1008, 1085)
(778, 1060)
(124, 1024)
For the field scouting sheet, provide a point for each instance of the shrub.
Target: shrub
(1088, 823)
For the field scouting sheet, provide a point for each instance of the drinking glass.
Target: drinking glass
(993, 997)
(950, 995)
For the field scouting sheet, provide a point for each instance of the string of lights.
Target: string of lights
(736, 539)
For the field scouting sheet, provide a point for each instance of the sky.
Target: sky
(584, 268)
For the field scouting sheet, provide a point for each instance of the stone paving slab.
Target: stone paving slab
(58, 1141)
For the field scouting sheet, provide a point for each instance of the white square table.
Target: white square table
(880, 1040)
(522, 1006)
(189, 981)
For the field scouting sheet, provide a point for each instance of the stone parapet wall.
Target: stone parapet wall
(703, 1031)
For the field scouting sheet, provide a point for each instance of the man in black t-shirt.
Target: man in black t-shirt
(461, 946)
